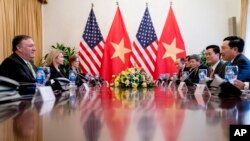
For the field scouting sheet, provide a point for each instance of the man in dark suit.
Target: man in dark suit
(231, 51)
(18, 65)
(196, 65)
(217, 66)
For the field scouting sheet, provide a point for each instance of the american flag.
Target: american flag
(145, 46)
(91, 47)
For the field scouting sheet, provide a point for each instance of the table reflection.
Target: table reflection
(24, 124)
(112, 114)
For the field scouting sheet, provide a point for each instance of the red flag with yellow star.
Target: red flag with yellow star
(117, 50)
(170, 47)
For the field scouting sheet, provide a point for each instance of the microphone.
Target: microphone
(86, 77)
(92, 80)
(189, 74)
(187, 80)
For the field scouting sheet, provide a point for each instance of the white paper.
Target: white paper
(44, 93)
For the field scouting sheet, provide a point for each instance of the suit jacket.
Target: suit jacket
(243, 64)
(55, 74)
(15, 68)
(194, 75)
(220, 69)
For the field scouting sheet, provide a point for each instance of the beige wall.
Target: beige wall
(202, 22)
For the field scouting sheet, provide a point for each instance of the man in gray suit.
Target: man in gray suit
(18, 65)
(231, 51)
(217, 66)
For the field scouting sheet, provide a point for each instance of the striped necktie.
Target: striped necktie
(211, 75)
(31, 69)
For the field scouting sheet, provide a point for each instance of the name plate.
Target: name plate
(44, 93)
(181, 85)
(86, 87)
(181, 93)
(199, 89)
(170, 84)
(200, 100)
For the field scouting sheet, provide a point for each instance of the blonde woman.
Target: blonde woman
(54, 60)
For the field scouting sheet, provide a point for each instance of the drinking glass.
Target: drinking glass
(161, 77)
(231, 73)
(202, 75)
(185, 75)
(46, 71)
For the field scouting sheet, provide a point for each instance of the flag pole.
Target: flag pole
(92, 5)
(146, 4)
(117, 3)
(171, 2)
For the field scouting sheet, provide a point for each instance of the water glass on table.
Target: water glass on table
(185, 75)
(231, 73)
(46, 71)
(202, 75)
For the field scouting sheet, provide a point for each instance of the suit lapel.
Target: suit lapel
(236, 59)
(25, 67)
(218, 68)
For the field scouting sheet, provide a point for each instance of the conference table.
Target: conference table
(116, 114)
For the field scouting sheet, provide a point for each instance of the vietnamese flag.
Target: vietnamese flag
(170, 47)
(117, 50)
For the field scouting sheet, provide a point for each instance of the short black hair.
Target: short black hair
(235, 41)
(17, 40)
(182, 60)
(187, 57)
(215, 48)
(196, 57)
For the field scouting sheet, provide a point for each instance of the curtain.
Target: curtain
(43, 1)
(20, 17)
(245, 26)
(244, 5)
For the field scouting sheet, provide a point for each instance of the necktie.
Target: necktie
(180, 74)
(31, 69)
(211, 73)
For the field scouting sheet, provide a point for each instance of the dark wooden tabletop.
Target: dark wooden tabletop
(112, 114)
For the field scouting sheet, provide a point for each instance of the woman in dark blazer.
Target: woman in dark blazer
(74, 62)
(54, 60)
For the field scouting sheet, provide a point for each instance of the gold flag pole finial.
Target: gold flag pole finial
(171, 2)
(146, 4)
(117, 3)
(92, 5)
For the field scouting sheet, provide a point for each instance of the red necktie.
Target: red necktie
(211, 73)
(180, 74)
